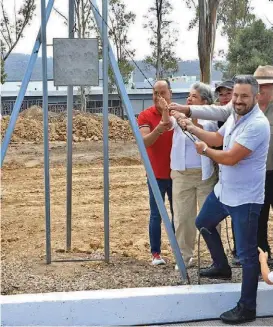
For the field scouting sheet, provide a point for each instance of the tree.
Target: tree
(3, 74)
(232, 16)
(270, 22)
(163, 38)
(206, 18)
(120, 21)
(84, 28)
(12, 28)
(253, 46)
(206, 36)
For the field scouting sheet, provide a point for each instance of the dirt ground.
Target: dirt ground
(23, 222)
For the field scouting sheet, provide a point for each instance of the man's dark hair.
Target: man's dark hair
(248, 79)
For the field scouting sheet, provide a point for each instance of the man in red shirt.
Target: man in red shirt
(158, 141)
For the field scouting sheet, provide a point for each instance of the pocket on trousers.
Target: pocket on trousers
(175, 174)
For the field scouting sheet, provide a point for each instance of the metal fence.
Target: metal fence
(7, 105)
(93, 106)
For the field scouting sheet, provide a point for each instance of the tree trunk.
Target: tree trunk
(78, 18)
(83, 99)
(159, 37)
(205, 75)
(83, 29)
(206, 36)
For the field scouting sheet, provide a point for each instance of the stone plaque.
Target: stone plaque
(75, 62)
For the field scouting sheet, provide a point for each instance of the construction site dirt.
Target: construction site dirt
(23, 221)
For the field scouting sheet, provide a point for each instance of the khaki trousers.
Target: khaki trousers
(188, 191)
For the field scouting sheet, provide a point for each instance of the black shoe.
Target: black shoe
(216, 273)
(238, 315)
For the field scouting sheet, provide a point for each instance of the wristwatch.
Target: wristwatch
(204, 151)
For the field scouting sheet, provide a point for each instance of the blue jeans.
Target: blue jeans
(245, 222)
(165, 186)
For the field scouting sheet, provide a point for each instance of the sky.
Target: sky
(186, 47)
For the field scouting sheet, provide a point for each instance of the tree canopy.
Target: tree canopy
(252, 46)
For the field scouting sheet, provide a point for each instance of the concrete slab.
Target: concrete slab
(127, 307)
(208, 323)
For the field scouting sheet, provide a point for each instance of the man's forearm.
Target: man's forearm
(150, 138)
(211, 138)
(220, 157)
(211, 112)
(165, 116)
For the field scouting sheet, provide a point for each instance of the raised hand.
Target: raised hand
(162, 103)
(263, 256)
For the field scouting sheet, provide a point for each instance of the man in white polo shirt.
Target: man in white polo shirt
(239, 192)
(264, 76)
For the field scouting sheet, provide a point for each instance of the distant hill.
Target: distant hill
(16, 64)
(188, 68)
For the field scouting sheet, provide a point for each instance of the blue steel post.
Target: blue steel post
(45, 118)
(69, 138)
(141, 146)
(105, 130)
(22, 92)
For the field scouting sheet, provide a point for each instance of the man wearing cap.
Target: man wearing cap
(264, 76)
(224, 92)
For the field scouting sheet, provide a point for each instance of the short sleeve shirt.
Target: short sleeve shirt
(159, 153)
(244, 182)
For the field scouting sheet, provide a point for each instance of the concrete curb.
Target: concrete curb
(128, 306)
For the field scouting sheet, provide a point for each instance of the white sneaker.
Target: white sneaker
(157, 260)
(188, 264)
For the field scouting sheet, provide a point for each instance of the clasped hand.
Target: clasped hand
(183, 121)
(187, 125)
